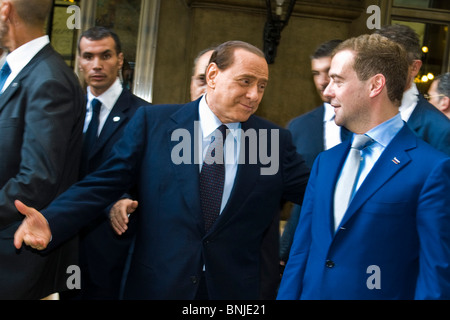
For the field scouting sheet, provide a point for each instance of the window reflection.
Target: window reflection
(433, 40)
(122, 17)
(432, 4)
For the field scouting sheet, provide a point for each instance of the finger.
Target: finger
(117, 226)
(19, 237)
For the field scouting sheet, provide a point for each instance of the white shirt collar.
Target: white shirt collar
(209, 121)
(20, 57)
(409, 102)
(109, 97)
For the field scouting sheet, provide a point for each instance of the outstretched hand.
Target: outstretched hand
(34, 230)
(120, 213)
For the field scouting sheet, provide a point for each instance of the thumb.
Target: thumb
(20, 233)
(34, 230)
(22, 208)
(132, 207)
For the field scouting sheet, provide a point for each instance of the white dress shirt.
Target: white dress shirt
(208, 124)
(332, 132)
(108, 100)
(409, 102)
(20, 57)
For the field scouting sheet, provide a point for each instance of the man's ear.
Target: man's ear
(121, 59)
(444, 104)
(415, 68)
(5, 11)
(377, 84)
(211, 74)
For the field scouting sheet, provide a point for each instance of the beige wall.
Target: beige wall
(188, 26)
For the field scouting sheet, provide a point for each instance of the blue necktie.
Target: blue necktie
(4, 74)
(212, 178)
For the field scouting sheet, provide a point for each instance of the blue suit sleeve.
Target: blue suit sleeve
(433, 227)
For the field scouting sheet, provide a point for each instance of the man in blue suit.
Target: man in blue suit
(388, 238)
(197, 237)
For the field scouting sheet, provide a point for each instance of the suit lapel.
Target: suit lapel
(316, 131)
(392, 160)
(115, 120)
(330, 175)
(17, 82)
(187, 174)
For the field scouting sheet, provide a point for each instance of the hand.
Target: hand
(120, 213)
(34, 230)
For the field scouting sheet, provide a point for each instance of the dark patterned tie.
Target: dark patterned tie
(90, 137)
(212, 178)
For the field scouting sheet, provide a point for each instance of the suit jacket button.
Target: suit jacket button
(329, 264)
(194, 279)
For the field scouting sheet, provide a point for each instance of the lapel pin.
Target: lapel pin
(116, 119)
(396, 161)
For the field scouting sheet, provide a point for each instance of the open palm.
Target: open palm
(34, 230)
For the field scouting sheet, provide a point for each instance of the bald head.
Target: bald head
(32, 12)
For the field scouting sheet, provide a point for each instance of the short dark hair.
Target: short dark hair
(406, 37)
(325, 49)
(223, 55)
(443, 86)
(99, 33)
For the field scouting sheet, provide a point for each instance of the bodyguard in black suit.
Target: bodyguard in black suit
(177, 254)
(103, 254)
(41, 123)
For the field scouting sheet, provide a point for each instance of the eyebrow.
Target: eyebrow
(101, 53)
(334, 75)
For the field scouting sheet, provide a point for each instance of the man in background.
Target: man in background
(41, 124)
(439, 93)
(103, 254)
(422, 117)
(198, 79)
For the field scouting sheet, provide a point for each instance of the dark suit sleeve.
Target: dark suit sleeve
(294, 170)
(85, 200)
(292, 280)
(50, 115)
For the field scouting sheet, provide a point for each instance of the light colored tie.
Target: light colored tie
(347, 181)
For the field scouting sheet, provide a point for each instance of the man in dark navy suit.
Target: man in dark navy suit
(103, 254)
(421, 116)
(313, 132)
(199, 234)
